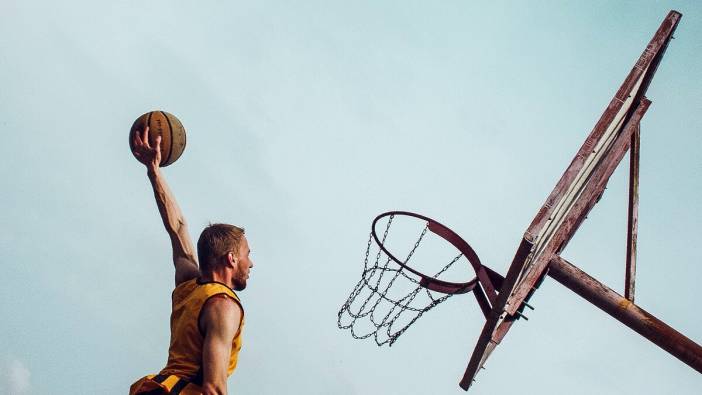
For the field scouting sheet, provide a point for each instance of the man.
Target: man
(207, 317)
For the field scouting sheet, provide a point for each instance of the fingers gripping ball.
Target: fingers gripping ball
(165, 125)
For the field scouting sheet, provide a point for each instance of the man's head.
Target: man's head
(223, 248)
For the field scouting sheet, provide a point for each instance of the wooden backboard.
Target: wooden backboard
(570, 201)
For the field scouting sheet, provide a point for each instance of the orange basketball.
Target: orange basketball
(167, 126)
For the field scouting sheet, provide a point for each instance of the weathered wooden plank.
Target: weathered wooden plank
(633, 220)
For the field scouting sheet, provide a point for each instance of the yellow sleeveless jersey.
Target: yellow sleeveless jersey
(182, 374)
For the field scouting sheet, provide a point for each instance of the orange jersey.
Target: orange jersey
(183, 370)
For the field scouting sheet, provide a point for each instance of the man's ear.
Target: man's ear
(231, 259)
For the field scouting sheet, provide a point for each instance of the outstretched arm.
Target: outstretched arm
(183, 252)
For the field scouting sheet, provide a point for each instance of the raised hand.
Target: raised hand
(148, 155)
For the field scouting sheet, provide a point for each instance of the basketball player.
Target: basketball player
(207, 317)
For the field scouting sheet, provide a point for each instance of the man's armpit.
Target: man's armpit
(185, 270)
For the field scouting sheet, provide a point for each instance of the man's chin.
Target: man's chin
(239, 285)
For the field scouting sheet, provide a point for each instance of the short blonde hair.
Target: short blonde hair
(216, 241)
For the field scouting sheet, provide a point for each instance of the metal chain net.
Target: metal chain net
(378, 313)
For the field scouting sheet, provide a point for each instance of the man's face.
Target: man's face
(243, 265)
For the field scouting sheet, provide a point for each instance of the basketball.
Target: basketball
(167, 126)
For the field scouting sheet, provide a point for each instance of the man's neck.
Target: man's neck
(219, 277)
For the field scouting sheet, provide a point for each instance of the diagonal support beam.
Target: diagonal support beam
(626, 312)
(633, 223)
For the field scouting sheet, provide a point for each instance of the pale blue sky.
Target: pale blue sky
(305, 120)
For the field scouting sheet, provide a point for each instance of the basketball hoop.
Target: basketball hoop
(392, 295)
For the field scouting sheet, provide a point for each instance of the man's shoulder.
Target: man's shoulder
(221, 310)
(224, 299)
